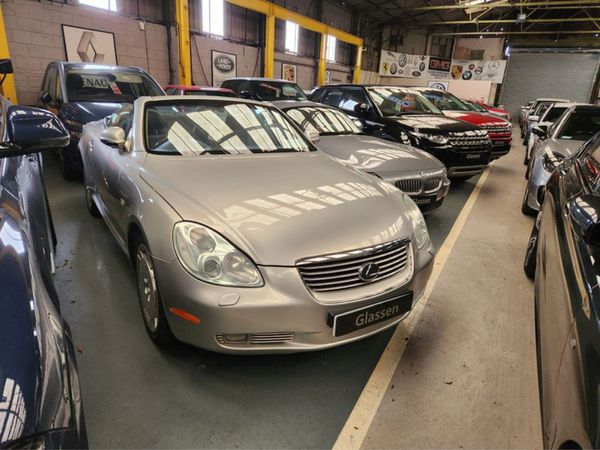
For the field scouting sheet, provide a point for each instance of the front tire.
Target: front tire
(90, 203)
(68, 170)
(151, 305)
(530, 255)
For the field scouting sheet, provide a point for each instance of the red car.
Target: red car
(178, 89)
(499, 130)
(500, 112)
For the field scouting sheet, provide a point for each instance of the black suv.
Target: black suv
(406, 116)
(79, 93)
(264, 89)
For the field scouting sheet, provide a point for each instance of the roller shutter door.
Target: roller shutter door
(535, 74)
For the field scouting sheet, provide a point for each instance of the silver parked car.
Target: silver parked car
(417, 173)
(243, 236)
(576, 125)
(534, 108)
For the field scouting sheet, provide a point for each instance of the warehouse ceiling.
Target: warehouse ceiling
(545, 22)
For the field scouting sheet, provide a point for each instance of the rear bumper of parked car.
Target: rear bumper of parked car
(283, 316)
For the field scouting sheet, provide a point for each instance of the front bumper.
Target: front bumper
(283, 316)
(500, 147)
(462, 162)
(538, 177)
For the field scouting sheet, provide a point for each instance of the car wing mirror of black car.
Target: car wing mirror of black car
(584, 212)
(540, 130)
(247, 95)
(31, 130)
(113, 137)
(361, 108)
(46, 98)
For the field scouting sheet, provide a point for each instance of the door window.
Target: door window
(332, 97)
(352, 98)
(50, 81)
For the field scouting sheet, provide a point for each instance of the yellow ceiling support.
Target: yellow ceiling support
(322, 72)
(357, 63)
(270, 46)
(182, 16)
(8, 87)
(278, 12)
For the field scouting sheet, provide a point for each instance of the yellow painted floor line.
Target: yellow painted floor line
(355, 430)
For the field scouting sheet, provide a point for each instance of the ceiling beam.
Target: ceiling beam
(485, 21)
(504, 4)
(504, 33)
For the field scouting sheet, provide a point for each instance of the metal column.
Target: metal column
(8, 87)
(182, 16)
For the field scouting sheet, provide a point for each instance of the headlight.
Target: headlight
(418, 222)
(435, 138)
(209, 257)
(552, 160)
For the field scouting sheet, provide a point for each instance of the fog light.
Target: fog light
(235, 338)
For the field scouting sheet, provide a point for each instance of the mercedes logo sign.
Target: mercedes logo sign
(368, 272)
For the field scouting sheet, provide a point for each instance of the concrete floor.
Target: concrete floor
(476, 333)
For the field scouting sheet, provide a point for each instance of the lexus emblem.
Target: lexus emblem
(368, 272)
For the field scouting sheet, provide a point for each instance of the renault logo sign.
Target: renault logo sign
(368, 272)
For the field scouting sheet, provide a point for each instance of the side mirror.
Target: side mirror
(46, 98)
(32, 129)
(6, 66)
(113, 137)
(540, 130)
(534, 118)
(312, 134)
(361, 108)
(585, 217)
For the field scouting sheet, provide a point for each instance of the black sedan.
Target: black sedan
(564, 256)
(40, 400)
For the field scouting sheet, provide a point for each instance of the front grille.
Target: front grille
(494, 128)
(257, 338)
(411, 185)
(340, 271)
(432, 184)
(468, 139)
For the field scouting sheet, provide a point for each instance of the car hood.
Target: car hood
(377, 155)
(85, 112)
(280, 208)
(475, 118)
(430, 123)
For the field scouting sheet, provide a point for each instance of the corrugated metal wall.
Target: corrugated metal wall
(548, 74)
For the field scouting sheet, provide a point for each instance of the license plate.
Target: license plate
(367, 316)
(422, 200)
(473, 155)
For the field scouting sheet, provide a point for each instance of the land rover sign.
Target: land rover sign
(224, 66)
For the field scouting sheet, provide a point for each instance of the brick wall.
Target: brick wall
(35, 38)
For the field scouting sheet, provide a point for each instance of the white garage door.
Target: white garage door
(535, 74)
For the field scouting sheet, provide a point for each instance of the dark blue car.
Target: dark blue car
(40, 399)
(79, 93)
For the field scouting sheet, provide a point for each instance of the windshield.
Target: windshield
(553, 114)
(445, 101)
(204, 93)
(393, 101)
(326, 121)
(541, 109)
(581, 125)
(475, 107)
(195, 128)
(93, 85)
(276, 90)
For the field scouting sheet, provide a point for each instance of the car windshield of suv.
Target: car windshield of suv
(445, 101)
(393, 101)
(204, 93)
(581, 125)
(93, 85)
(326, 121)
(553, 114)
(271, 90)
(196, 128)
(475, 107)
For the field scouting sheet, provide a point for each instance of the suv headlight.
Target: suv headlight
(435, 138)
(418, 222)
(208, 256)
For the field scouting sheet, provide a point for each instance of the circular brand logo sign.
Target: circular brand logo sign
(224, 63)
(440, 86)
(368, 272)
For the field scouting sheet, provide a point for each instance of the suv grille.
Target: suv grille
(469, 139)
(493, 128)
(341, 270)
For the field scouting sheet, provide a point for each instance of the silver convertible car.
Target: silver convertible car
(244, 237)
(414, 171)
